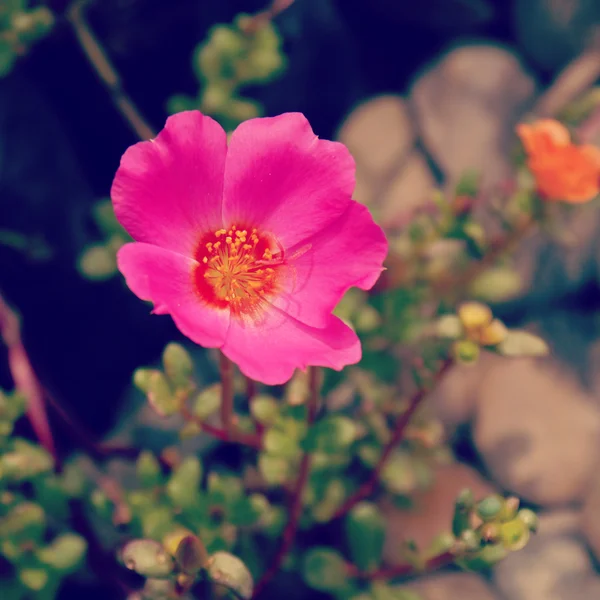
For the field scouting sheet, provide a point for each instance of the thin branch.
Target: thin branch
(24, 377)
(296, 505)
(241, 437)
(404, 569)
(367, 488)
(101, 64)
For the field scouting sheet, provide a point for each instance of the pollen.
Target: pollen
(239, 268)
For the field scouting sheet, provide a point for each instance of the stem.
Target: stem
(403, 570)
(101, 64)
(402, 422)
(227, 414)
(24, 377)
(296, 506)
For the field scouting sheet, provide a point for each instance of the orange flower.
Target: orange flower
(563, 170)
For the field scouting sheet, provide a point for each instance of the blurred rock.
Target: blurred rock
(590, 518)
(552, 32)
(378, 133)
(451, 586)
(550, 567)
(409, 189)
(467, 105)
(537, 431)
(432, 509)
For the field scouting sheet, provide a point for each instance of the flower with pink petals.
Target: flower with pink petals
(248, 246)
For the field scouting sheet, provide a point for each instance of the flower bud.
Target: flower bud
(465, 352)
(474, 315)
(515, 534)
(493, 334)
(489, 508)
(510, 508)
(530, 519)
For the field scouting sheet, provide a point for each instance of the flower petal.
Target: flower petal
(271, 350)
(348, 253)
(165, 278)
(169, 190)
(280, 177)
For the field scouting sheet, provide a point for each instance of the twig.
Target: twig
(296, 505)
(240, 437)
(367, 488)
(24, 377)
(227, 393)
(99, 60)
(404, 569)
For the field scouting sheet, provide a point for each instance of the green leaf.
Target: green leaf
(178, 364)
(147, 558)
(230, 572)
(148, 469)
(496, 285)
(34, 579)
(274, 469)
(25, 462)
(522, 343)
(280, 443)
(208, 401)
(25, 521)
(325, 570)
(183, 487)
(265, 409)
(463, 506)
(98, 262)
(365, 532)
(65, 553)
(157, 522)
(7, 58)
(331, 435)
(398, 474)
(160, 395)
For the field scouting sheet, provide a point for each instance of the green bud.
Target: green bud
(147, 558)
(465, 352)
(496, 285)
(191, 555)
(399, 475)
(65, 553)
(463, 506)
(509, 509)
(178, 365)
(449, 327)
(208, 401)
(489, 508)
(470, 539)
(160, 396)
(148, 469)
(530, 519)
(485, 558)
(490, 533)
(515, 534)
(522, 343)
(280, 443)
(184, 484)
(230, 572)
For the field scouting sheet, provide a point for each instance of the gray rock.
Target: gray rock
(467, 105)
(548, 568)
(452, 586)
(538, 432)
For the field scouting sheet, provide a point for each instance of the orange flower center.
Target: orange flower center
(238, 269)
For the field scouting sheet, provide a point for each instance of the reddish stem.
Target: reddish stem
(403, 570)
(296, 505)
(227, 393)
(24, 377)
(367, 488)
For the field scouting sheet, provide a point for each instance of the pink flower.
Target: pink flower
(249, 247)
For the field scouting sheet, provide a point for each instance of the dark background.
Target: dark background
(61, 140)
